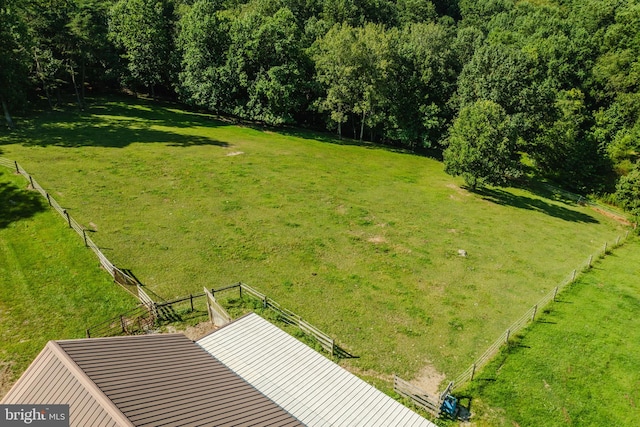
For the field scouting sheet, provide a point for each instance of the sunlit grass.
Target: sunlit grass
(580, 364)
(51, 286)
(360, 240)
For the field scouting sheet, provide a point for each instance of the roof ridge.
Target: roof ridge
(88, 383)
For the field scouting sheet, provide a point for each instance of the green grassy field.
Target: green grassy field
(51, 287)
(360, 240)
(579, 365)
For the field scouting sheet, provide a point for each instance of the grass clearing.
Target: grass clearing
(51, 287)
(360, 240)
(579, 364)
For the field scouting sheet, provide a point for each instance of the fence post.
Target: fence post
(17, 168)
(49, 199)
(240, 287)
(535, 309)
(605, 248)
(31, 181)
(84, 236)
(333, 347)
(508, 333)
(209, 312)
(555, 293)
(573, 278)
(473, 372)
(590, 259)
(191, 300)
(124, 329)
(68, 217)
(88, 334)
(264, 302)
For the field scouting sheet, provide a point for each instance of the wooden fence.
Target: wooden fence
(166, 310)
(136, 321)
(119, 276)
(148, 302)
(530, 315)
(583, 200)
(174, 310)
(217, 314)
(419, 397)
(129, 282)
(287, 316)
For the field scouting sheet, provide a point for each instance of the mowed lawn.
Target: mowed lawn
(51, 286)
(360, 240)
(579, 365)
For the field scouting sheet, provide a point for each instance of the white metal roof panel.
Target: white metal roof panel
(311, 387)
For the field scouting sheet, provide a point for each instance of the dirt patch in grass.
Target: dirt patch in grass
(619, 218)
(194, 333)
(459, 192)
(429, 379)
(377, 239)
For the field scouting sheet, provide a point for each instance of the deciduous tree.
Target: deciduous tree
(628, 192)
(143, 30)
(481, 146)
(14, 58)
(203, 41)
(268, 68)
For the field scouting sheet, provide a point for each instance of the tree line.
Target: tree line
(499, 86)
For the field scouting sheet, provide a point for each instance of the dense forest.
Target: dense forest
(498, 86)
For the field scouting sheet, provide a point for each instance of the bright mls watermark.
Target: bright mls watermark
(34, 415)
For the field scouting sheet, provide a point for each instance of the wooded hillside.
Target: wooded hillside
(550, 84)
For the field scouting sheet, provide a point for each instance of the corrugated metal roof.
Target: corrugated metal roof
(49, 381)
(314, 389)
(150, 380)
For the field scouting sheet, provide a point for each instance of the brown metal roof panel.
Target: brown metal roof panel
(235, 418)
(88, 385)
(275, 420)
(181, 392)
(151, 400)
(198, 416)
(108, 357)
(213, 388)
(257, 417)
(166, 379)
(237, 408)
(144, 345)
(108, 369)
(263, 417)
(220, 409)
(144, 378)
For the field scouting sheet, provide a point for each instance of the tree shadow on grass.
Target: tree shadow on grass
(116, 124)
(501, 197)
(17, 204)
